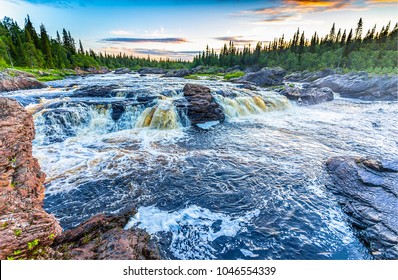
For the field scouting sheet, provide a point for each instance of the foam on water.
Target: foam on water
(192, 228)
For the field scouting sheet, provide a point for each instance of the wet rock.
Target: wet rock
(307, 95)
(97, 91)
(307, 76)
(16, 80)
(117, 110)
(367, 189)
(202, 107)
(122, 71)
(178, 73)
(22, 218)
(148, 70)
(91, 71)
(103, 237)
(233, 69)
(264, 77)
(361, 86)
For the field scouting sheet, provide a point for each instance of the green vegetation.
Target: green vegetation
(376, 52)
(17, 252)
(17, 232)
(33, 244)
(4, 225)
(51, 236)
(10, 258)
(25, 47)
(234, 75)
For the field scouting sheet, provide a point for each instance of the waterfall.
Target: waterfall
(161, 116)
(244, 105)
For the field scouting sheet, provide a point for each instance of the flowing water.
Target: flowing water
(250, 188)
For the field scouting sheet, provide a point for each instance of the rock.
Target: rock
(16, 80)
(308, 96)
(97, 91)
(178, 73)
(122, 71)
(103, 237)
(367, 189)
(307, 76)
(22, 218)
(233, 69)
(361, 86)
(264, 77)
(202, 107)
(148, 70)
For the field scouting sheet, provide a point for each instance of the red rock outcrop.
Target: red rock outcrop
(16, 80)
(24, 225)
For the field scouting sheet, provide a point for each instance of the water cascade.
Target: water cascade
(249, 105)
(161, 116)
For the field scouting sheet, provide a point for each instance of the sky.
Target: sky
(182, 28)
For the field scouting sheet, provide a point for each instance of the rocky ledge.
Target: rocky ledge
(15, 80)
(306, 95)
(202, 107)
(27, 231)
(367, 190)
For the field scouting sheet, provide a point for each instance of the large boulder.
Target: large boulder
(308, 95)
(264, 77)
(367, 190)
(122, 71)
(22, 218)
(361, 86)
(16, 80)
(149, 70)
(202, 107)
(103, 237)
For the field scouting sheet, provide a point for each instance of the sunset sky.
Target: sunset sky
(182, 28)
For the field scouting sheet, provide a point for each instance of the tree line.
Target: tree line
(376, 50)
(25, 47)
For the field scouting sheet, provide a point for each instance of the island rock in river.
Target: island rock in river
(202, 107)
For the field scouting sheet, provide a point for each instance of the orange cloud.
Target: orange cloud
(293, 9)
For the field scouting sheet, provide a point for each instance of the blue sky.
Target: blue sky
(181, 28)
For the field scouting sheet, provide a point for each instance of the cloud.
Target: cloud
(165, 53)
(235, 39)
(141, 52)
(287, 10)
(146, 40)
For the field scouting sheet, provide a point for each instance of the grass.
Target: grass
(234, 75)
(33, 244)
(17, 232)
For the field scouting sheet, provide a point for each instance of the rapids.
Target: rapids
(250, 188)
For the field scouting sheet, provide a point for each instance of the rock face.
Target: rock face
(202, 107)
(361, 86)
(103, 237)
(122, 71)
(307, 95)
(367, 189)
(148, 70)
(22, 218)
(16, 80)
(91, 70)
(264, 77)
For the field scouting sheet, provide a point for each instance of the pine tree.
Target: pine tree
(46, 47)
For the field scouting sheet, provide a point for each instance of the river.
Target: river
(253, 187)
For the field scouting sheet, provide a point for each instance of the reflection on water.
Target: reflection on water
(251, 188)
